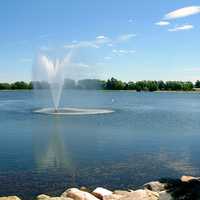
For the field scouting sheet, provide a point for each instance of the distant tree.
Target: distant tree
(91, 84)
(40, 85)
(69, 84)
(187, 86)
(5, 86)
(152, 86)
(114, 84)
(19, 85)
(130, 86)
(197, 84)
(161, 85)
(30, 86)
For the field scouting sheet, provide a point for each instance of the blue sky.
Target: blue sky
(127, 39)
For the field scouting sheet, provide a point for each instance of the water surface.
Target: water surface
(149, 136)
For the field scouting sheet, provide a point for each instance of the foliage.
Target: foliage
(197, 84)
(110, 84)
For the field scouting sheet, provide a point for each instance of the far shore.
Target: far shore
(197, 90)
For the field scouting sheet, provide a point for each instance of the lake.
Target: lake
(149, 136)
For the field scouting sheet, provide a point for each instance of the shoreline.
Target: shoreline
(187, 187)
(157, 91)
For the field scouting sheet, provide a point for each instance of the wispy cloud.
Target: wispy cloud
(183, 12)
(181, 28)
(100, 41)
(126, 37)
(122, 51)
(162, 23)
(81, 44)
(101, 37)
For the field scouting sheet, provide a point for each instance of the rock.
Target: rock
(165, 196)
(10, 198)
(189, 178)
(46, 197)
(77, 194)
(113, 197)
(43, 197)
(84, 189)
(135, 195)
(60, 198)
(142, 195)
(155, 186)
(121, 192)
(101, 192)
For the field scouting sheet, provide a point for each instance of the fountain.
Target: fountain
(53, 72)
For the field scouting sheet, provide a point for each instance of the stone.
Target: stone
(60, 198)
(134, 195)
(77, 194)
(101, 192)
(10, 198)
(113, 197)
(85, 189)
(165, 196)
(43, 197)
(142, 195)
(46, 197)
(189, 178)
(155, 186)
(121, 192)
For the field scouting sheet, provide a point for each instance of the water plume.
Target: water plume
(53, 73)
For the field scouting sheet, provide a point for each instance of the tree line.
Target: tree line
(110, 84)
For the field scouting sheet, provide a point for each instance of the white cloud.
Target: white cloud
(82, 65)
(81, 44)
(125, 37)
(122, 51)
(183, 12)
(181, 28)
(162, 23)
(100, 41)
(101, 37)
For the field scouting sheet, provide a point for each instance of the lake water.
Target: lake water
(149, 136)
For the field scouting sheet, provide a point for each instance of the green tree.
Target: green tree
(197, 84)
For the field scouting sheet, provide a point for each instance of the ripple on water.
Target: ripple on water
(73, 111)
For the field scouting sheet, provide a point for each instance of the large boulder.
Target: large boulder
(189, 178)
(46, 197)
(121, 192)
(165, 196)
(134, 195)
(101, 192)
(155, 186)
(43, 197)
(113, 197)
(77, 194)
(10, 198)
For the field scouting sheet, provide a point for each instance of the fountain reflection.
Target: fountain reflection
(53, 154)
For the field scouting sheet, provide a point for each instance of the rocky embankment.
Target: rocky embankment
(186, 188)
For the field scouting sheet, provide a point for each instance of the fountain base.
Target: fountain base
(72, 111)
